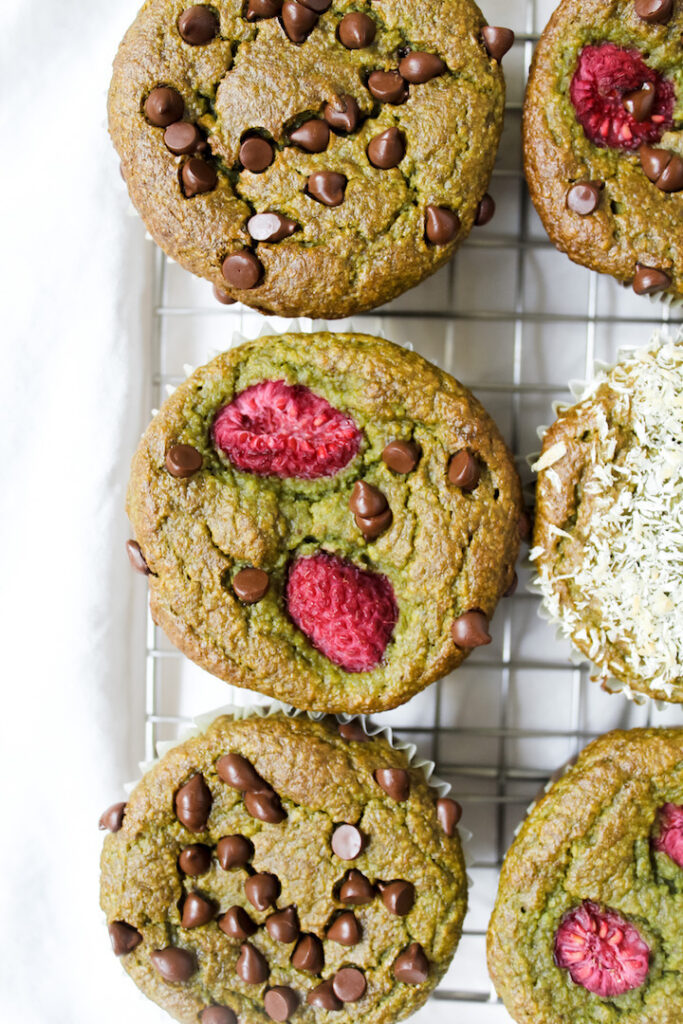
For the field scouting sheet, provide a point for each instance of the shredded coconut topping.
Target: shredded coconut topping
(627, 587)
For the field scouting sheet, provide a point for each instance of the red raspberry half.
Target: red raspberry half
(605, 75)
(348, 614)
(278, 429)
(670, 838)
(602, 952)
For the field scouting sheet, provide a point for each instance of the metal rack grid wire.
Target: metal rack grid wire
(513, 319)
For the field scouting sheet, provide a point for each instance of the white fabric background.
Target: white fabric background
(73, 380)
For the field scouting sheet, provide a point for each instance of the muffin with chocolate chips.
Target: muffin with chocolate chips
(587, 922)
(603, 128)
(309, 157)
(273, 867)
(325, 518)
(607, 539)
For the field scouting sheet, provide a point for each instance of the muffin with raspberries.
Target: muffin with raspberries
(587, 924)
(277, 868)
(309, 157)
(603, 139)
(325, 518)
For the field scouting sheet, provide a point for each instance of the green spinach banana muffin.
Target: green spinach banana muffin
(588, 921)
(309, 157)
(275, 868)
(603, 138)
(325, 518)
(609, 507)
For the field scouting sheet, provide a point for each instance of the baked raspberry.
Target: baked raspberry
(605, 76)
(347, 613)
(670, 838)
(278, 429)
(602, 952)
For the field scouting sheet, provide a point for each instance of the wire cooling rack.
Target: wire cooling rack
(515, 321)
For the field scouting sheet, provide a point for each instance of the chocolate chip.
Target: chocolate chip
(195, 860)
(353, 731)
(672, 178)
(234, 852)
(342, 114)
(298, 21)
(174, 965)
(242, 270)
(218, 1015)
(237, 924)
(402, 456)
(349, 984)
(193, 804)
(394, 781)
(412, 966)
(163, 106)
(356, 30)
(280, 1002)
(367, 500)
(327, 187)
(356, 890)
(262, 890)
(252, 966)
(471, 630)
(441, 225)
(448, 814)
(347, 842)
(223, 297)
(323, 997)
(387, 150)
(283, 926)
(198, 25)
(265, 806)
(584, 197)
(182, 460)
(641, 103)
(256, 154)
(251, 585)
(313, 136)
(388, 87)
(399, 897)
(112, 819)
(345, 930)
(319, 6)
(308, 955)
(649, 281)
(497, 40)
(124, 938)
(655, 11)
(420, 67)
(663, 168)
(182, 137)
(464, 471)
(270, 227)
(238, 773)
(485, 211)
(374, 526)
(512, 588)
(263, 9)
(198, 177)
(136, 558)
(197, 911)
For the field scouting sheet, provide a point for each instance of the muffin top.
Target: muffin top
(588, 918)
(328, 519)
(603, 141)
(309, 158)
(277, 867)
(608, 522)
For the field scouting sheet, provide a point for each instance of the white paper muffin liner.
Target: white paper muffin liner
(580, 391)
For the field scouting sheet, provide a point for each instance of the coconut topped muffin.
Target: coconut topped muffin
(325, 518)
(277, 868)
(309, 157)
(607, 541)
(587, 922)
(603, 144)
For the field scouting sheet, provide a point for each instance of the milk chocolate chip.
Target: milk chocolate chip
(239, 773)
(485, 211)
(251, 585)
(401, 456)
(663, 168)
(270, 227)
(198, 25)
(163, 106)
(242, 270)
(399, 897)
(584, 197)
(394, 781)
(112, 819)
(324, 998)
(656, 12)
(471, 630)
(343, 114)
(353, 732)
(497, 40)
(281, 1002)
(265, 805)
(174, 965)
(197, 911)
(182, 137)
(313, 136)
(345, 930)
(356, 890)
(183, 460)
(283, 926)
(198, 177)
(649, 281)
(464, 471)
(420, 67)
(124, 938)
(298, 21)
(441, 225)
(262, 890)
(388, 87)
(193, 804)
(327, 187)
(236, 923)
(234, 852)
(218, 1015)
(195, 860)
(412, 966)
(256, 154)
(387, 150)
(347, 842)
(448, 813)
(136, 558)
(252, 966)
(263, 9)
(640, 104)
(356, 30)
(349, 984)
(308, 955)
